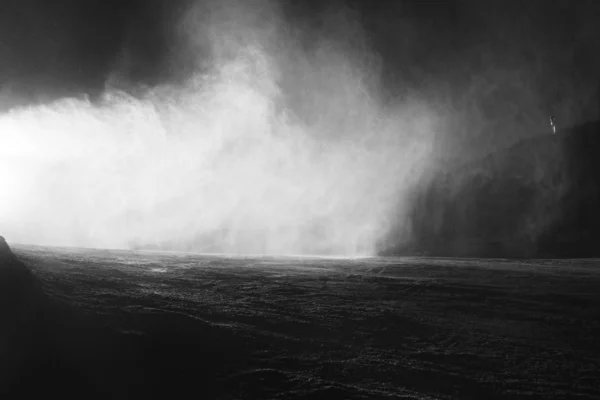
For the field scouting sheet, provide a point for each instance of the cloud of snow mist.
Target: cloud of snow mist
(279, 142)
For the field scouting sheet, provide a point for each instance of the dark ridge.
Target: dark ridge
(48, 348)
(52, 345)
(20, 308)
(17, 284)
(537, 198)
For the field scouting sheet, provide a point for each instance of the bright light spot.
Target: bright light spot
(277, 150)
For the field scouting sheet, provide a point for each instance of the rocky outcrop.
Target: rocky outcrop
(48, 346)
(21, 303)
(17, 284)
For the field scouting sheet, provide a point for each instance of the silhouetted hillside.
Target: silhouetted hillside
(48, 347)
(538, 198)
(19, 309)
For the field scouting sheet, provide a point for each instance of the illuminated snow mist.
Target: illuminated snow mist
(278, 143)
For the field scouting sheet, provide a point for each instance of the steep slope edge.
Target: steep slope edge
(48, 346)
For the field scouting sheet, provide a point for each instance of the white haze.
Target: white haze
(272, 147)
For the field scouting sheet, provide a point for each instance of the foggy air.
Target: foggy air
(275, 141)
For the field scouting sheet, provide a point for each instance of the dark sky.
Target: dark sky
(547, 50)
(59, 43)
(52, 46)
